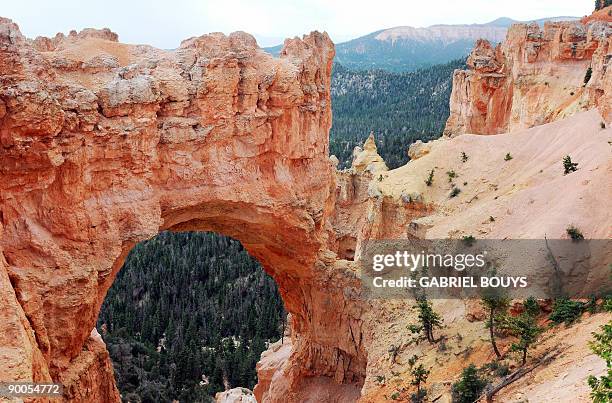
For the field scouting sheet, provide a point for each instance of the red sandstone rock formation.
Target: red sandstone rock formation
(605, 14)
(104, 145)
(534, 77)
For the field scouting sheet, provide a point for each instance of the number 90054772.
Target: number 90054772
(18, 389)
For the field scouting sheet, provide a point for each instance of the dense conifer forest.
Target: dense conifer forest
(190, 313)
(399, 107)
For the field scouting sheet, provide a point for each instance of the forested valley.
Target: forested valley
(399, 108)
(188, 315)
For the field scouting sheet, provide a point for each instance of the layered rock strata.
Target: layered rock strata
(534, 77)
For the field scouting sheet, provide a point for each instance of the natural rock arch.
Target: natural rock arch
(104, 145)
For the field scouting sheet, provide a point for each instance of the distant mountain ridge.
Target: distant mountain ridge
(406, 48)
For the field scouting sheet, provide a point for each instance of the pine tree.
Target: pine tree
(526, 329)
(419, 376)
(496, 305)
(428, 317)
(568, 165)
(469, 387)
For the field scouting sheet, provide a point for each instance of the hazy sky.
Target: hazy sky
(164, 23)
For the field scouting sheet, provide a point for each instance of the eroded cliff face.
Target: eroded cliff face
(104, 145)
(534, 77)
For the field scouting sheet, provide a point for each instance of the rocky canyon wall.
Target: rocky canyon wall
(534, 77)
(103, 145)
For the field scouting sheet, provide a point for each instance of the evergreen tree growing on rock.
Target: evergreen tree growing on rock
(496, 306)
(419, 376)
(469, 387)
(568, 165)
(428, 317)
(526, 329)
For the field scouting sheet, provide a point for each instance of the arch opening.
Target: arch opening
(188, 316)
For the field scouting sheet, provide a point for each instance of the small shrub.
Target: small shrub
(568, 165)
(607, 304)
(531, 306)
(429, 179)
(591, 306)
(380, 379)
(602, 125)
(412, 360)
(508, 157)
(502, 370)
(395, 396)
(566, 311)
(574, 233)
(455, 191)
(491, 218)
(469, 240)
(451, 175)
(490, 366)
(464, 157)
(499, 368)
(415, 329)
(601, 388)
(469, 387)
